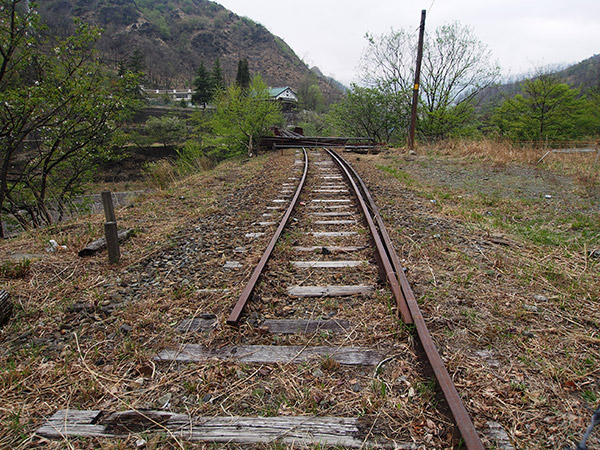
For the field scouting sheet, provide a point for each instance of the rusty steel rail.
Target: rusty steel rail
(381, 251)
(457, 408)
(234, 317)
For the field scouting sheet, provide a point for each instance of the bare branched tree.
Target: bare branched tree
(456, 66)
(388, 61)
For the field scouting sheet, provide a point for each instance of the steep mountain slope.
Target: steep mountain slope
(174, 36)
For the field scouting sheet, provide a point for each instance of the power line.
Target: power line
(431, 6)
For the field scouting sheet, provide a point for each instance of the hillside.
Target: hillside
(584, 75)
(174, 36)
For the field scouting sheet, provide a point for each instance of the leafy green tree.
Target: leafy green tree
(310, 96)
(58, 114)
(371, 112)
(242, 77)
(546, 109)
(203, 86)
(167, 130)
(241, 118)
(217, 80)
(456, 67)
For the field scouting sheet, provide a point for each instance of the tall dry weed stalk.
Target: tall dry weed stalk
(584, 167)
(499, 153)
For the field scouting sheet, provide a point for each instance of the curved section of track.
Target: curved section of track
(234, 317)
(406, 299)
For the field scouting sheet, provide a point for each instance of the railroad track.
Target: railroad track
(328, 325)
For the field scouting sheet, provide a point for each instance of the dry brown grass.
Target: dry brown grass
(53, 356)
(586, 166)
(497, 152)
(505, 279)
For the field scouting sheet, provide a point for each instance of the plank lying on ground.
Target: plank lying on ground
(212, 290)
(331, 214)
(326, 206)
(329, 291)
(335, 222)
(6, 307)
(333, 233)
(293, 326)
(272, 354)
(331, 249)
(205, 322)
(100, 244)
(326, 264)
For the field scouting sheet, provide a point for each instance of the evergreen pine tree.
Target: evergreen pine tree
(216, 78)
(242, 78)
(202, 86)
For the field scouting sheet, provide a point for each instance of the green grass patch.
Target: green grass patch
(399, 174)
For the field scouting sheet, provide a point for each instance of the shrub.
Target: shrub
(192, 158)
(160, 173)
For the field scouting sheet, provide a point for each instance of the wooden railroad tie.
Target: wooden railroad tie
(298, 430)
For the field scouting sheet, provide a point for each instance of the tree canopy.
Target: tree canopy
(372, 112)
(241, 117)
(242, 77)
(546, 109)
(203, 86)
(58, 111)
(456, 66)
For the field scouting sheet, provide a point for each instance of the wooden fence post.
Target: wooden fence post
(112, 242)
(110, 228)
(109, 209)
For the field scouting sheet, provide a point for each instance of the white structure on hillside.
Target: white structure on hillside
(176, 95)
(285, 94)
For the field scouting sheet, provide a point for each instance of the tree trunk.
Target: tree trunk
(250, 148)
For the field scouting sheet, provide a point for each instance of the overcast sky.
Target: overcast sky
(522, 34)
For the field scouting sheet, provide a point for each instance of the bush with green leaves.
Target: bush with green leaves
(59, 110)
(168, 130)
(240, 118)
(191, 157)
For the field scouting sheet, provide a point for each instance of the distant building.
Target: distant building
(284, 94)
(175, 95)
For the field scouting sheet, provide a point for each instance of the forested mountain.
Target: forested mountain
(170, 38)
(584, 76)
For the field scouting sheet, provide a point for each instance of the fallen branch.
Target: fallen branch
(94, 247)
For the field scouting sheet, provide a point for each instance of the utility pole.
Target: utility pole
(415, 100)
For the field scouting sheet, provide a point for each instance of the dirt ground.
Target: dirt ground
(504, 260)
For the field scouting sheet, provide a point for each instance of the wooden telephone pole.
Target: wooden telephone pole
(415, 100)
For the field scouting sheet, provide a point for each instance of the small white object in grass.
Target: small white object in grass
(53, 246)
(548, 196)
